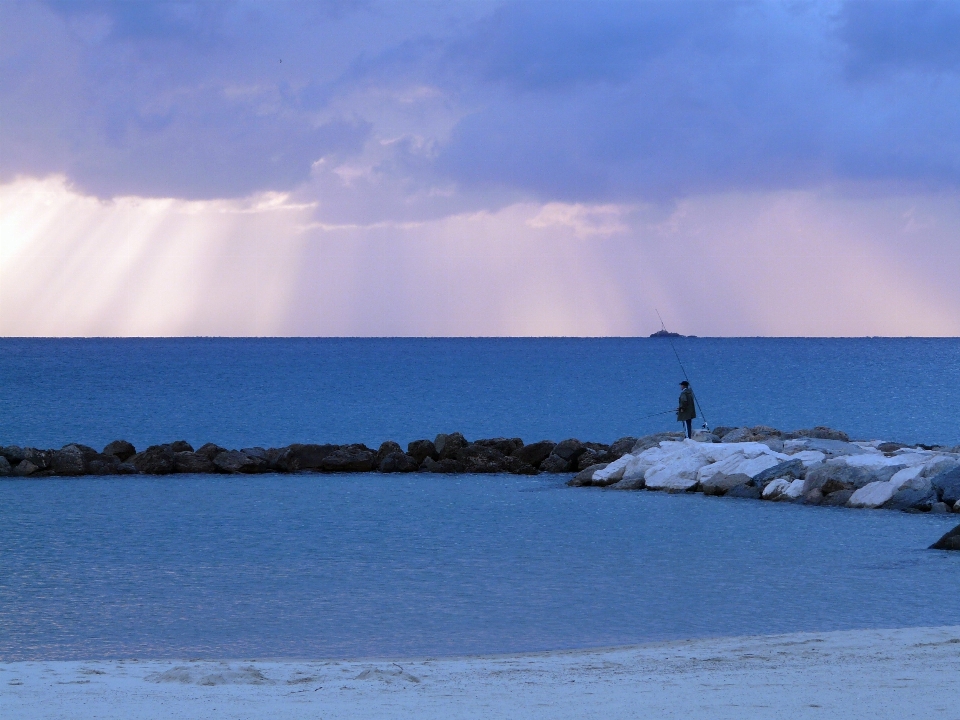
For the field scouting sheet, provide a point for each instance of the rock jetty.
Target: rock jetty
(820, 466)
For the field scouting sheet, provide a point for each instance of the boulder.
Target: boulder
(585, 477)
(14, 454)
(68, 461)
(349, 458)
(535, 453)
(398, 462)
(387, 448)
(127, 469)
(420, 450)
(155, 460)
(824, 433)
(890, 447)
(705, 436)
(830, 448)
(569, 450)
(446, 465)
(120, 449)
(838, 498)
(950, 541)
(192, 462)
(722, 430)
(449, 445)
(744, 491)
(234, 461)
(838, 474)
(913, 496)
(792, 469)
(783, 489)
(939, 508)
(103, 465)
(612, 473)
(741, 434)
(622, 446)
(651, 441)
(556, 464)
(590, 458)
(181, 446)
(516, 466)
(25, 468)
(210, 450)
(298, 457)
(504, 446)
(5, 468)
(947, 486)
(720, 484)
(481, 459)
(635, 483)
(674, 474)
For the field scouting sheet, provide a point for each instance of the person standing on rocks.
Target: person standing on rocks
(687, 409)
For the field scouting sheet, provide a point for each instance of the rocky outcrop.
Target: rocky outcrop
(420, 450)
(192, 462)
(950, 541)
(155, 460)
(398, 462)
(349, 458)
(299, 457)
(535, 453)
(120, 449)
(449, 445)
(234, 461)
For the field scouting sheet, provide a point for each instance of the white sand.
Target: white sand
(908, 673)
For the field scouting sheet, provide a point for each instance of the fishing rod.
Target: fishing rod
(682, 369)
(665, 412)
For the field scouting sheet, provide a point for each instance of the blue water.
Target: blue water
(348, 566)
(241, 393)
(361, 565)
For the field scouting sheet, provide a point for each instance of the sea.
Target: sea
(367, 565)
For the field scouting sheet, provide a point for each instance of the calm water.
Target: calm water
(241, 393)
(321, 566)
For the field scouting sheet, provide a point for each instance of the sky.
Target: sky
(364, 168)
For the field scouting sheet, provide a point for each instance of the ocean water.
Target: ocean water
(245, 392)
(370, 565)
(315, 566)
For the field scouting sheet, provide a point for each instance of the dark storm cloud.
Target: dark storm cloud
(558, 100)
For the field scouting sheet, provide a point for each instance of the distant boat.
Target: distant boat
(668, 334)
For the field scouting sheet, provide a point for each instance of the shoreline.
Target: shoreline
(903, 673)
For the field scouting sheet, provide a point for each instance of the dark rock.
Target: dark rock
(155, 460)
(890, 447)
(120, 449)
(591, 458)
(181, 446)
(257, 452)
(41, 459)
(297, 457)
(25, 468)
(102, 467)
(449, 445)
(814, 497)
(535, 453)
(634, 483)
(447, 465)
(516, 466)
(793, 469)
(398, 462)
(832, 476)
(720, 484)
(556, 464)
(722, 430)
(622, 446)
(838, 498)
(569, 450)
(824, 433)
(744, 491)
(193, 462)
(950, 541)
(481, 459)
(504, 446)
(947, 486)
(649, 441)
(14, 454)
(5, 468)
(420, 450)
(349, 458)
(126, 469)
(234, 461)
(386, 448)
(68, 461)
(210, 451)
(922, 499)
(939, 508)
(705, 437)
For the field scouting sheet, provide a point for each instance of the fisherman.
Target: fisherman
(687, 409)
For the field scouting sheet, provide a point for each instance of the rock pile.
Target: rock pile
(816, 467)
(451, 453)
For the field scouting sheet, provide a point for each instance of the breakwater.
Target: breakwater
(819, 466)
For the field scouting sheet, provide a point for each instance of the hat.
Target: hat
(685, 383)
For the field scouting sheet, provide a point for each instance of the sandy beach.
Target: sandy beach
(903, 673)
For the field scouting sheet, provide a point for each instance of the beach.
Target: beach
(901, 673)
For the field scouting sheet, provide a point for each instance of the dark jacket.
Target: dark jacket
(687, 409)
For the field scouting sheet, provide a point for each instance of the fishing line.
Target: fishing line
(683, 370)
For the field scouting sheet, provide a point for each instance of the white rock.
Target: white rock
(675, 474)
(794, 490)
(776, 488)
(872, 495)
(809, 457)
(903, 477)
(613, 471)
(878, 460)
(739, 464)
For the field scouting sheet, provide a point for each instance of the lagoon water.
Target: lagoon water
(362, 565)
